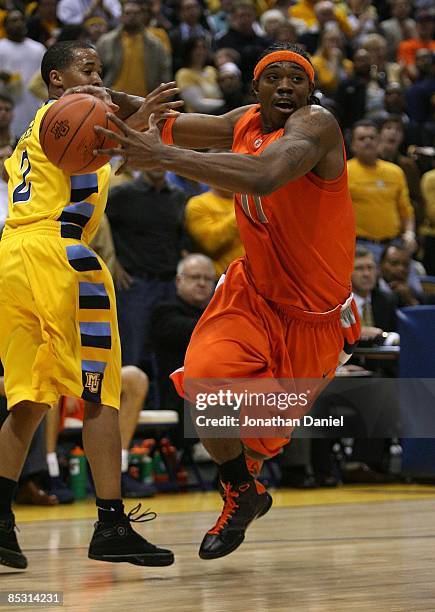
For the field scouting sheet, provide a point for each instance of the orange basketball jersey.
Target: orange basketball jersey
(300, 239)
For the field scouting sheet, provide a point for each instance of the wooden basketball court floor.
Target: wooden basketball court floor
(368, 548)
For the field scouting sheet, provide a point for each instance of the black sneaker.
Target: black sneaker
(118, 543)
(241, 506)
(10, 551)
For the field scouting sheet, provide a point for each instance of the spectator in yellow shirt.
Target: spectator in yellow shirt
(210, 221)
(304, 10)
(380, 196)
(329, 62)
(428, 229)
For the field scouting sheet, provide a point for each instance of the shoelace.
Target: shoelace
(229, 507)
(144, 517)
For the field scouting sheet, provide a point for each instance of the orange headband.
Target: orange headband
(284, 56)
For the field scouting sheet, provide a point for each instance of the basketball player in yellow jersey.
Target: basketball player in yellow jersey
(58, 327)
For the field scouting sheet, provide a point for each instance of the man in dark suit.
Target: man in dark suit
(173, 322)
(377, 308)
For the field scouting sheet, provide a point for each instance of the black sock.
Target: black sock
(235, 471)
(7, 490)
(110, 510)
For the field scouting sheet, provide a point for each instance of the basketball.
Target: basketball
(67, 134)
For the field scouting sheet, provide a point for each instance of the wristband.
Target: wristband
(167, 136)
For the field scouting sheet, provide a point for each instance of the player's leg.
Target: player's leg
(114, 540)
(134, 389)
(57, 486)
(15, 437)
(227, 347)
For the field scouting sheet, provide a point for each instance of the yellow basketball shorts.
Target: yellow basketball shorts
(58, 327)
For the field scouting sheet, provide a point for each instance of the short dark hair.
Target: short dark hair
(393, 118)
(361, 251)
(294, 49)
(364, 123)
(399, 247)
(189, 47)
(4, 97)
(60, 56)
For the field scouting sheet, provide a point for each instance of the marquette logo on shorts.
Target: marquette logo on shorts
(93, 381)
(60, 129)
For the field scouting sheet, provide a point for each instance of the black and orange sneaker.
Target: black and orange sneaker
(242, 505)
(118, 543)
(10, 551)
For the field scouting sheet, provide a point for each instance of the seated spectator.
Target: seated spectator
(231, 86)
(395, 268)
(242, 37)
(329, 62)
(75, 12)
(95, 28)
(305, 10)
(420, 98)
(399, 27)
(363, 18)
(423, 39)
(428, 229)
(384, 71)
(353, 94)
(20, 58)
(211, 223)
(148, 237)
(220, 20)
(390, 140)
(395, 104)
(191, 25)
(325, 17)
(270, 21)
(376, 308)
(134, 61)
(379, 194)
(197, 80)
(226, 55)
(173, 322)
(286, 33)
(44, 24)
(153, 27)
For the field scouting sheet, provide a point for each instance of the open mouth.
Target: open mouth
(284, 106)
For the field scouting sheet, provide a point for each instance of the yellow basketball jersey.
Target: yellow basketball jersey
(38, 190)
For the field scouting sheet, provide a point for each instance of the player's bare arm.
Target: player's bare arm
(311, 139)
(134, 109)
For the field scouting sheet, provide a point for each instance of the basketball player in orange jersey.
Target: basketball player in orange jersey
(58, 327)
(285, 310)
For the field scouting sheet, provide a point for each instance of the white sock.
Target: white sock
(124, 460)
(53, 465)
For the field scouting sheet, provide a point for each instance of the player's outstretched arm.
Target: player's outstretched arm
(311, 135)
(198, 131)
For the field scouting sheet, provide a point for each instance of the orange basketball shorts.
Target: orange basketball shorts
(241, 335)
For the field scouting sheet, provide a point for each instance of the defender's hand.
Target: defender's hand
(156, 103)
(98, 92)
(142, 150)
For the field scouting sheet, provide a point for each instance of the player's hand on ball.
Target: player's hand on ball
(99, 92)
(141, 150)
(156, 103)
